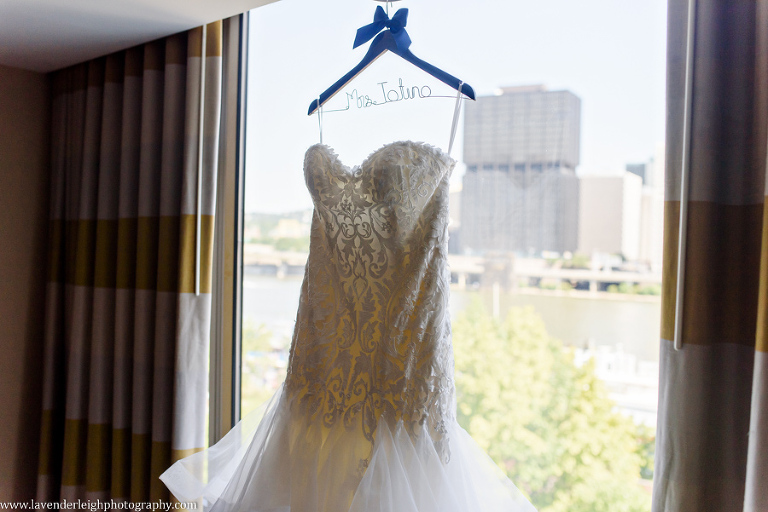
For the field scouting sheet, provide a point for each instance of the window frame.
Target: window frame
(226, 307)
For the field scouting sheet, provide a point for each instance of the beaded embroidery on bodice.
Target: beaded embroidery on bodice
(372, 338)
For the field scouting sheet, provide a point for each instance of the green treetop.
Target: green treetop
(547, 422)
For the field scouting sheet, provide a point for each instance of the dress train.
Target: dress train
(274, 461)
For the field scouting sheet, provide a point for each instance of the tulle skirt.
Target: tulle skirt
(275, 460)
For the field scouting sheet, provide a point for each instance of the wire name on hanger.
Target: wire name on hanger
(389, 35)
(388, 95)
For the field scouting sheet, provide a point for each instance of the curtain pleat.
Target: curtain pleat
(100, 396)
(125, 276)
(191, 377)
(710, 444)
(125, 366)
(146, 268)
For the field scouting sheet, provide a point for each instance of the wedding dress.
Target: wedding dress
(366, 418)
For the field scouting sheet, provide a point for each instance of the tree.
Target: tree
(256, 338)
(548, 423)
(257, 344)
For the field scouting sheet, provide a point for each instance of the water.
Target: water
(624, 324)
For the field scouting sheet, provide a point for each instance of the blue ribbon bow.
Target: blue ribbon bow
(381, 21)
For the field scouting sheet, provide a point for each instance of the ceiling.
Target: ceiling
(44, 35)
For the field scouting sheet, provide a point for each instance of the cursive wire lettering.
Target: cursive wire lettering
(388, 95)
(392, 95)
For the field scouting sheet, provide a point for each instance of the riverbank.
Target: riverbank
(591, 295)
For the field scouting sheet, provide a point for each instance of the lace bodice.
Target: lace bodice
(372, 337)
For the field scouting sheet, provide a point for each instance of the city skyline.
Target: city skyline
(610, 55)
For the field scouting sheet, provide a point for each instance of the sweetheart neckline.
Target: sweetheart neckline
(355, 169)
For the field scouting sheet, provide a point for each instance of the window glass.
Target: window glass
(555, 216)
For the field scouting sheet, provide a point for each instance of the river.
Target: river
(627, 324)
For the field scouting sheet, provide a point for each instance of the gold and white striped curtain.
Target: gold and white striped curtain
(712, 437)
(125, 369)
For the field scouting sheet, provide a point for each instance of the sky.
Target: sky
(610, 53)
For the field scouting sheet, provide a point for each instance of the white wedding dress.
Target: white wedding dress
(366, 418)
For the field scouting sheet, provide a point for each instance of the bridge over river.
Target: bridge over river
(468, 270)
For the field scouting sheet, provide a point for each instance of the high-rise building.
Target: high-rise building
(641, 170)
(623, 214)
(520, 191)
(610, 215)
(652, 212)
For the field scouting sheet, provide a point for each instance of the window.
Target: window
(554, 258)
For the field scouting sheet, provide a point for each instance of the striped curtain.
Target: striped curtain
(712, 438)
(126, 351)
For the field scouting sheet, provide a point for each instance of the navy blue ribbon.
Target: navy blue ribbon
(381, 21)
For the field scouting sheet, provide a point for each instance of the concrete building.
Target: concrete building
(652, 212)
(610, 214)
(454, 220)
(642, 170)
(520, 192)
